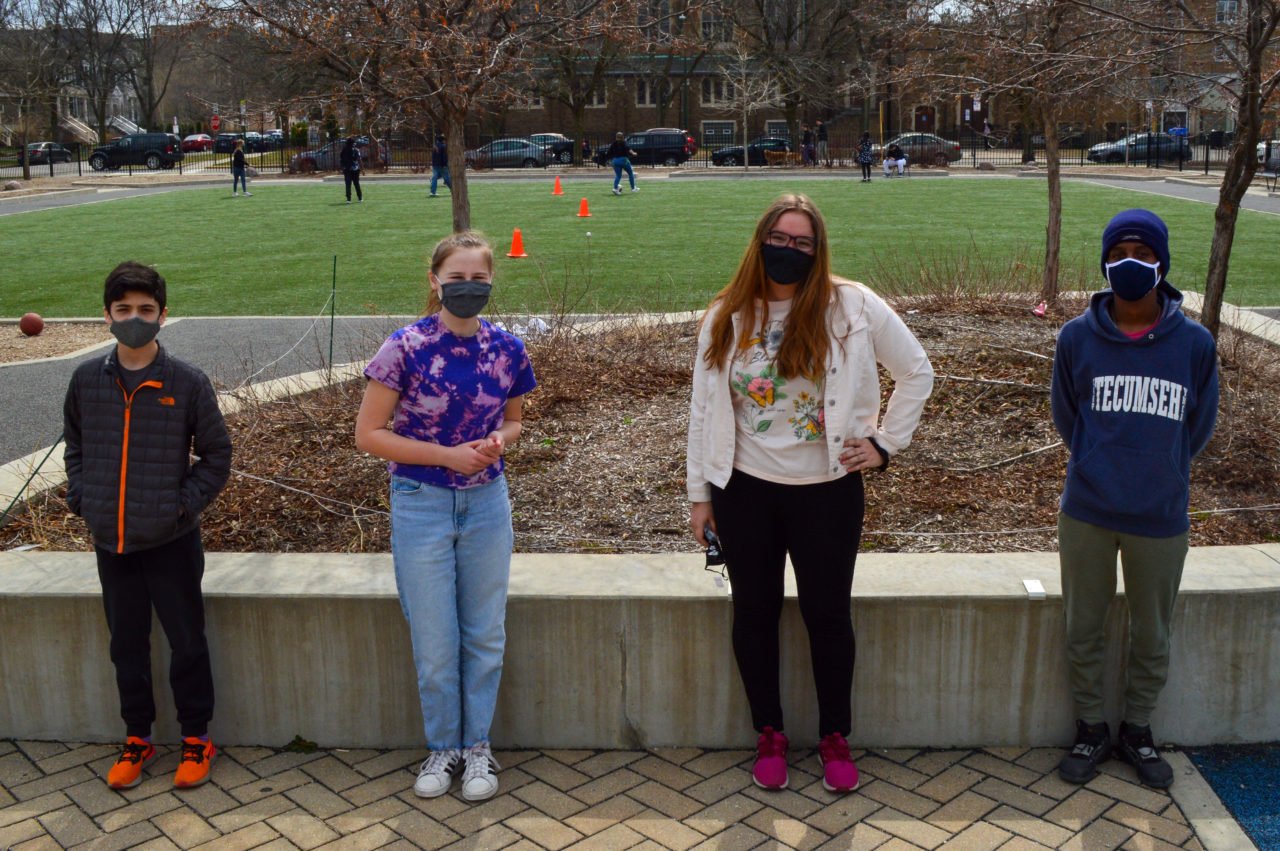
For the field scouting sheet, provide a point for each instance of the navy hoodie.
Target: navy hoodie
(1134, 413)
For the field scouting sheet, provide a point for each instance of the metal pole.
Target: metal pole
(333, 308)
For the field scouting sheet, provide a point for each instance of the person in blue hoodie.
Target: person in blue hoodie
(1135, 397)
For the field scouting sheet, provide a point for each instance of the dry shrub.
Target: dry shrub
(600, 466)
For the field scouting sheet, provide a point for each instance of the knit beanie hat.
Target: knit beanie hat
(1139, 226)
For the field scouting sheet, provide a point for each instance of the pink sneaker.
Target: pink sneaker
(770, 769)
(839, 774)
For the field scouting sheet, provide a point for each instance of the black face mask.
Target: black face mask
(785, 265)
(465, 299)
(135, 332)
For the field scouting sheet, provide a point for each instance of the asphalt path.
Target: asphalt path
(232, 352)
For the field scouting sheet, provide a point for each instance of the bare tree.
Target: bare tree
(33, 65)
(151, 55)
(1242, 37)
(1040, 54)
(797, 44)
(97, 33)
(430, 60)
(749, 92)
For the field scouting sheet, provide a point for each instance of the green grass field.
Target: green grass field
(668, 247)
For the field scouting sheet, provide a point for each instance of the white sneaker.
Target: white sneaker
(635, 188)
(479, 782)
(435, 775)
(617, 191)
(248, 194)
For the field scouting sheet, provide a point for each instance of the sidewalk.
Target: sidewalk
(52, 796)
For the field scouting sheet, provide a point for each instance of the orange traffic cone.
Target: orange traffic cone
(557, 190)
(583, 212)
(517, 244)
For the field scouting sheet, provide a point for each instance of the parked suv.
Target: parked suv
(154, 150)
(655, 147)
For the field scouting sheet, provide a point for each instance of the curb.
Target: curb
(1211, 822)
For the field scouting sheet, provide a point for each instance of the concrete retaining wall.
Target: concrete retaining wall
(633, 651)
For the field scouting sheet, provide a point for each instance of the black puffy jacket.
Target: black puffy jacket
(129, 469)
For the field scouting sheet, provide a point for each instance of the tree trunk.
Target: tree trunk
(455, 139)
(1236, 178)
(1053, 227)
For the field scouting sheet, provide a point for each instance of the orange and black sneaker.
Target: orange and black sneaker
(197, 759)
(127, 772)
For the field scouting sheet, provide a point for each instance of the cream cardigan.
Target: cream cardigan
(866, 332)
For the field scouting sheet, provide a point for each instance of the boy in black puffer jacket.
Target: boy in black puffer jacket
(131, 422)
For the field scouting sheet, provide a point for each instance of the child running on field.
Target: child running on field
(442, 405)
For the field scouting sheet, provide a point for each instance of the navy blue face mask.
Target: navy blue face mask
(1131, 279)
(785, 265)
(464, 299)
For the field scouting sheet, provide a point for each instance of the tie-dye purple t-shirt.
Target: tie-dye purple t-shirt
(452, 390)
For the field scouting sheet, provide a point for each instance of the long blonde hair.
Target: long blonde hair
(806, 339)
(466, 239)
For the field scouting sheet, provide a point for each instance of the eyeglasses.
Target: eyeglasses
(778, 239)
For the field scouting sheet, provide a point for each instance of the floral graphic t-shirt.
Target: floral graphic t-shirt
(780, 421)
(452, 390)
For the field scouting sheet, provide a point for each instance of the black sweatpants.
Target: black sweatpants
(866, 171)
(820, 525)
(168, 578)
(349, 179)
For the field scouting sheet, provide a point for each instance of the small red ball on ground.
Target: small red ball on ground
(31, 324)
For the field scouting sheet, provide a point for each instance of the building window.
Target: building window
(718, 132)
(530, 101)
(597, 99)
(716, 92)
(1227, 10)
(651, 92)
(778, 129)
(715, 28)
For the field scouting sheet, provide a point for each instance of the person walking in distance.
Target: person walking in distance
(440, 165)
(451, 387)
(132, 420)
(349, 160)
(1135, 398)
(866, 155)
(239, 169)
(784, 419)
(820, 132)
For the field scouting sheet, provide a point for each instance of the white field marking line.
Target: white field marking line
(1095, 182)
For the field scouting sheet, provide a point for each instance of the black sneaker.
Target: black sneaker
(1136, 747)
(1092, 748)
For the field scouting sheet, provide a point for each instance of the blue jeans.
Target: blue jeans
(621, 164)
(438, 172)
(452, 553)
(238, 175)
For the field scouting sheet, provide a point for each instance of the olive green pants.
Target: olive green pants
(1152, 572)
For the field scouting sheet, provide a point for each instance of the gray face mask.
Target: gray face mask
(465, 299)
(134, 333)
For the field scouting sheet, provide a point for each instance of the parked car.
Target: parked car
(42, 153)
(927, 148)
(561, 146)
(326, 158)
(197, 142)
(154, 150)
(225, 143)
(1066, 139)
(509, 153)
(688, 137)
(661, 146)
(274, 139)
(755, 151)
(1141, 147)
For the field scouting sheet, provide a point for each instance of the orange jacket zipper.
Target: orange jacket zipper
(124, 455)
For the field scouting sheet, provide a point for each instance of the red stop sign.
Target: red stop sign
(215, 123)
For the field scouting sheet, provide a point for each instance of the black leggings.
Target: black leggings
(866, 171)
(820, 525)
(352, 178)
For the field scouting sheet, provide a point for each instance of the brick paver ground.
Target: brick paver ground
(52, 795)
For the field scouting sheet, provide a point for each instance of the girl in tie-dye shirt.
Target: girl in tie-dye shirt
(442, 404)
